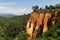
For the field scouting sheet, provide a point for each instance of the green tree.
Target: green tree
(12, 29)
(57, 6)
(51, 7)
(35, 8)
(46, 7)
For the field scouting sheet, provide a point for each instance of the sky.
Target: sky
(21, 7)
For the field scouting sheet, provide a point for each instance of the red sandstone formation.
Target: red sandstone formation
(38, 24)
(30, 24)
(36, 20)
(46, 18)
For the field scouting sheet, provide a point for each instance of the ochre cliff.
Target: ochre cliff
(30, 24)
(38, 23)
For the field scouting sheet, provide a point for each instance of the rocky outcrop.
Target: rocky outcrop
(38, 23)
(30, 24)
(45, 21)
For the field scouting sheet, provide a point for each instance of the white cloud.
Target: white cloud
(4, 8)
(7, 3)
(16, 11)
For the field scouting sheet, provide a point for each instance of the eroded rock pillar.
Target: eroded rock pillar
(38, 24)
(30, 24)
(46, 18)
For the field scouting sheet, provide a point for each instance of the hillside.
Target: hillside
(18, 28)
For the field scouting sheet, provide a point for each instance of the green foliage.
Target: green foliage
(10, 28)
(57, 6)
(22, 36)
(35, 8)
(50, 8)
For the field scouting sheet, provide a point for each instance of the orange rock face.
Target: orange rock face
(30, 24)
(38, 24)
(37, 21)
(46, 18)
